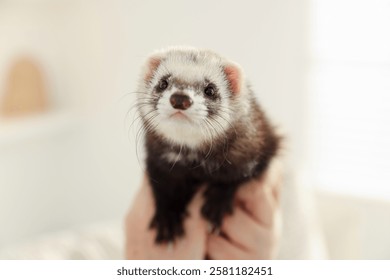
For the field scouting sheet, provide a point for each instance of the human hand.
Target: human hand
(140, 239)
(253, 230)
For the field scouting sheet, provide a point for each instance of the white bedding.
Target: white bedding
(96, 242)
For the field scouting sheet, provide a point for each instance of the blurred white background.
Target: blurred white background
(320, 68)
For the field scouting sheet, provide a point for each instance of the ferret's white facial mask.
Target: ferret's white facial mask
(188, 96)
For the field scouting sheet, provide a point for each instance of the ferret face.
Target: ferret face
(189, 96)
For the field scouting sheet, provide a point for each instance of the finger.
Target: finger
(193, 244)
(261, 197)
(248, 191)
(258, 201)
(218, 248)
(195, 204)
(271, 179)
(195, 226)
(242, 229)
(140, 239)
(141, 208)
(274, 178)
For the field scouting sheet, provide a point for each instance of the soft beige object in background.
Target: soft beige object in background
(25, 90)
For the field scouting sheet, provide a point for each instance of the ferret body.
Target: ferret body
(203, 127)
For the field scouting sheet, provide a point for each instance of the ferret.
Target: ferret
(203, 127)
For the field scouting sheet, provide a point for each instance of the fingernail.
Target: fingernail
(170, 247)
(209, 227)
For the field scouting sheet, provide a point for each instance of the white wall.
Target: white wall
(91, 52)
(355, 227)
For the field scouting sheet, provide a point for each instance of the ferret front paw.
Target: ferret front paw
(169, 225)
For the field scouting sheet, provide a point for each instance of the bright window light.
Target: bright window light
(350, 96)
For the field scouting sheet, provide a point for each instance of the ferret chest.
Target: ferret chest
(181, 157)
(207, 163)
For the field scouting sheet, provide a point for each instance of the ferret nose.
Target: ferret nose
(180, 101)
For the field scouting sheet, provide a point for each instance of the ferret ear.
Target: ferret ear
(151, 66)
(234, 77)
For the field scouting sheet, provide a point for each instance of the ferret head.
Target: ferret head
(189, 96)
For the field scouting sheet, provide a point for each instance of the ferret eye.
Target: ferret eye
(209, 90)
(163, 84)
